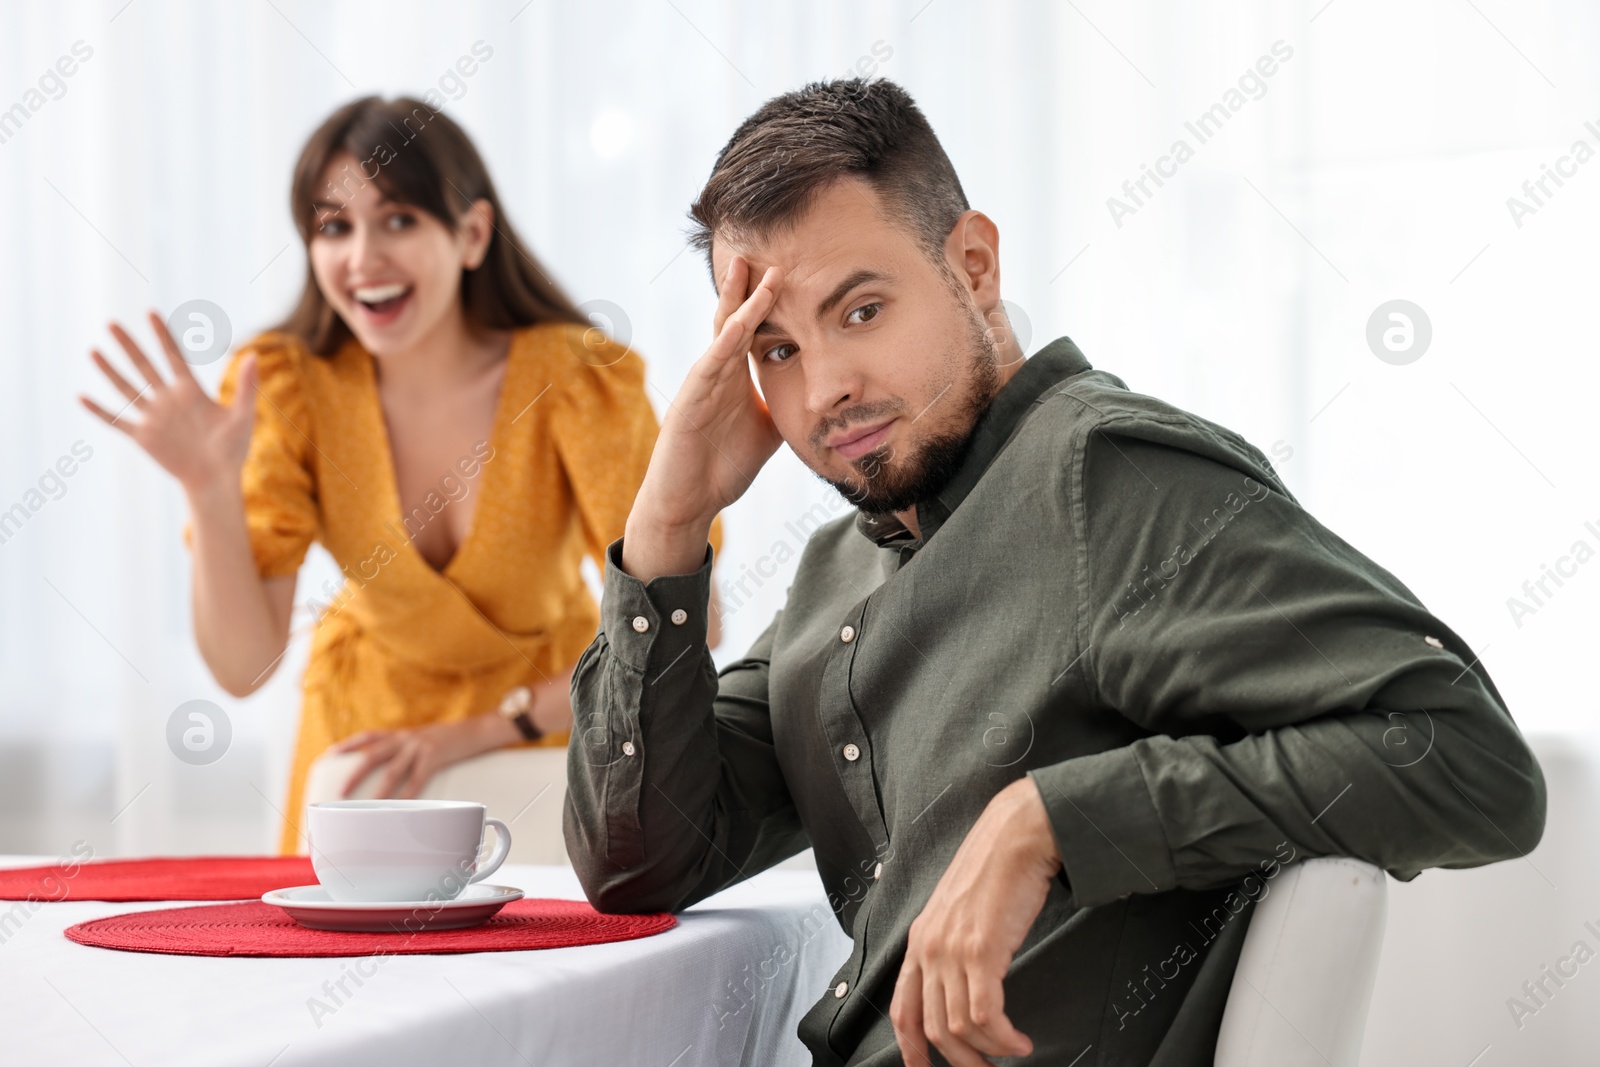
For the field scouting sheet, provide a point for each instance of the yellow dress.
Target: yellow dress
(399, 644)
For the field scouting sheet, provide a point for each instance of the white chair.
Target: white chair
(523, 787)
(1307, 968)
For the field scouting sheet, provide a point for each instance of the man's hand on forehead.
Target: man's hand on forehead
(715, 436)
(746, 297)
(754, 270)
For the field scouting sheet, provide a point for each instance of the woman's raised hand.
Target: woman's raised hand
(198, 441)
(715, 436)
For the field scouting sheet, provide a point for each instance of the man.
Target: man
(1062, 697)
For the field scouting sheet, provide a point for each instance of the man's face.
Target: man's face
(873, 361)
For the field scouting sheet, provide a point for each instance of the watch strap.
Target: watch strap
(515, 706)
(525, 726)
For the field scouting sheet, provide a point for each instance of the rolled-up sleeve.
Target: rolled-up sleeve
(674, 790)
(1295, 693)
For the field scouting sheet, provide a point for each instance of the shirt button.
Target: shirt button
(841, 989)
(877, 872)
(680, 617)
(627, 748)
(852, 753)
(640, 624)
(847, 634)
(1434, 641)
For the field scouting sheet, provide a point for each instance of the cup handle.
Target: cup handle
(502, 848)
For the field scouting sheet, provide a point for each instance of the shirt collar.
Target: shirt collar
(1054, 363)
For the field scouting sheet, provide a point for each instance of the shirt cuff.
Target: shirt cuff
(1106, 825)
(650, 625)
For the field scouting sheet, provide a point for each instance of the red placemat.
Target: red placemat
(257, 929)
(158, 878)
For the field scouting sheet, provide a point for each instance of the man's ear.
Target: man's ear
(477, 228)
(973, 252)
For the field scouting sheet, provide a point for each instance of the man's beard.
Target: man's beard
(887, 482)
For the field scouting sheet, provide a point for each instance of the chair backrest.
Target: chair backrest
(522, 785)
(1307, 968)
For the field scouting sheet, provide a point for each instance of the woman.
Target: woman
(439, 416)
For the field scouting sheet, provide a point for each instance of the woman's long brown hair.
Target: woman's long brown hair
(417, 156)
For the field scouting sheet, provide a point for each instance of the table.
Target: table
(707, 992)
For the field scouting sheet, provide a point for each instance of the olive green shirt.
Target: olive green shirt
(1113, 596)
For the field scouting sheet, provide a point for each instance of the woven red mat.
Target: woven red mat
(257, 929)
(159, 878)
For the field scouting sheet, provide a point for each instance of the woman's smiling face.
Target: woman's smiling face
(391, 271)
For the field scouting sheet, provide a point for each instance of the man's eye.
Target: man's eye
(779, 353)
(401, 220)
(864, 313)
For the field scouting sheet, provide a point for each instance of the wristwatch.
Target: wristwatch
(514, 706)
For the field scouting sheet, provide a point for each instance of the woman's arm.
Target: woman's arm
(411, 757)
(241, 620)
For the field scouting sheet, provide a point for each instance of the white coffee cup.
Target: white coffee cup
(401, 850)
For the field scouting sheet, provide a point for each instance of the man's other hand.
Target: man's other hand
(949, 991)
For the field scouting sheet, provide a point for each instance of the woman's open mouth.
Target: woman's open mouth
(383, 303)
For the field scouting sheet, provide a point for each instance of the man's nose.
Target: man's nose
(832, 382)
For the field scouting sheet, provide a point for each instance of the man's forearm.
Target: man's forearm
(673, 787)
(652, 547)
(1191, 812)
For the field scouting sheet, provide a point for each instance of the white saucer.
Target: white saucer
(310, 905)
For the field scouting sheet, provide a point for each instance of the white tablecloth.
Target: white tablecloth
(726, 986)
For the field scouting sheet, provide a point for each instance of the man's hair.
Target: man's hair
(798, 144)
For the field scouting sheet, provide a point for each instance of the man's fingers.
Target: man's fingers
(758, 305)
(905, 1015)
(733, 343)
(724, 360)
(933, 1011)
(180, 366)
(955, 1014)
(944, 1004)
(135, 354)
(734, 280)
(985, 1026)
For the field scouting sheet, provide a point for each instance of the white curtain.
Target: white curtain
(1340, 156)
